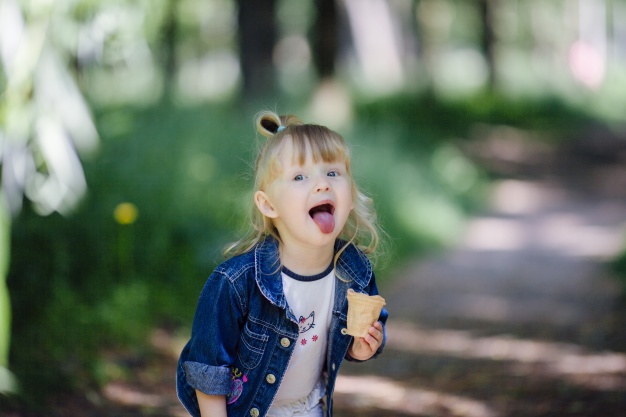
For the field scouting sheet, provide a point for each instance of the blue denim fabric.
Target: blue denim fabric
(244, 332)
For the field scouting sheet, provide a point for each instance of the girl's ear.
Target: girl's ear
(264, 205)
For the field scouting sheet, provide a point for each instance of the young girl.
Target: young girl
(269, 333)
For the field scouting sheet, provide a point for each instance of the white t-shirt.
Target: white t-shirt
(311, 300)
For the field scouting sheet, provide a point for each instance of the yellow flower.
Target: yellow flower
(125, 213)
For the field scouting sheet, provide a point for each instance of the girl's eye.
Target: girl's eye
(298, 177)
(333, 174)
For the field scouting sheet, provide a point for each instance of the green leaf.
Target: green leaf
(5, 304)
(8, 383)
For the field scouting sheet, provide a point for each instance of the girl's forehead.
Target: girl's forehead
(298, 158)
(301, 152)
(292, 153)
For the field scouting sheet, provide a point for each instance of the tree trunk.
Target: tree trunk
(170, 35)
(488, 40)
(257, 37)
(325, 37)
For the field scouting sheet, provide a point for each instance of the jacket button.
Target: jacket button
(270, 378)
(333, 367)
(285, 342)
(254, 412)
(344, 331)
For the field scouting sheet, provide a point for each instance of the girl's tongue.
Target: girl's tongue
(323, 217)
(325, 221)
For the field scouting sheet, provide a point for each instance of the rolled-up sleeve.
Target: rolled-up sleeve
(213, 380)
(214, 337)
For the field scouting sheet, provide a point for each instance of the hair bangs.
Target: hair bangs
(323, 144)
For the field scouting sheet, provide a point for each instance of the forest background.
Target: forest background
(126, 140)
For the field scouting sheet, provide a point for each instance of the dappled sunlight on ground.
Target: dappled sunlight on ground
(129, 396)
(387, 395)
(168, 343)
(573, 363)
(528, 215)
(522, 314)
(147, 387)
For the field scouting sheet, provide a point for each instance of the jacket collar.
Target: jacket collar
(352, 266)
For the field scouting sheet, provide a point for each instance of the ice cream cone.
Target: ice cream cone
(363, 311)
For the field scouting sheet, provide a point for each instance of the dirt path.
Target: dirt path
(521, 317)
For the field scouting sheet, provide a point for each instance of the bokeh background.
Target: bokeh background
(127, 137)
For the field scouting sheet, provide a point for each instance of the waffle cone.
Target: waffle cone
(363, 311)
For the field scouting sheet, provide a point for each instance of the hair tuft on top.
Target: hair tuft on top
(267, 122)
(269, 125)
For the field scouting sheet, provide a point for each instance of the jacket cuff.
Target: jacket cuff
(211, 380)
(351, 359)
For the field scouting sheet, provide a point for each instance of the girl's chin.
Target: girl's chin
(325, 238)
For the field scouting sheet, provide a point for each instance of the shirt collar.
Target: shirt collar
(352, 266)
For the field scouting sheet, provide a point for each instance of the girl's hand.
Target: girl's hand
(363, 348)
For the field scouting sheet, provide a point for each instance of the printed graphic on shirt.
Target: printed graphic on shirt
(236, 385)
(308, 323)
(304, 341)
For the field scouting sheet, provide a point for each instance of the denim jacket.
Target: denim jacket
(244, 332)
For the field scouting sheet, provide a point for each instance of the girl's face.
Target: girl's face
(308, 203)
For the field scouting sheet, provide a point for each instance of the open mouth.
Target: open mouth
(324, 208)
(322, 215)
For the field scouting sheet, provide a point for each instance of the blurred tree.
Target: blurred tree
(170, 35)
(44, 123)
(257, 37)
(488, 38)
(325, 37)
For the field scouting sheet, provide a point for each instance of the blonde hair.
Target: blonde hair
(325, 145)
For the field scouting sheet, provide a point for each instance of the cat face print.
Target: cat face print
(306, 324)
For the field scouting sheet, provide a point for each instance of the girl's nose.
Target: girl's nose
(322, 185)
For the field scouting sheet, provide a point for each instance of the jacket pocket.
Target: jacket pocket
(251, 346)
